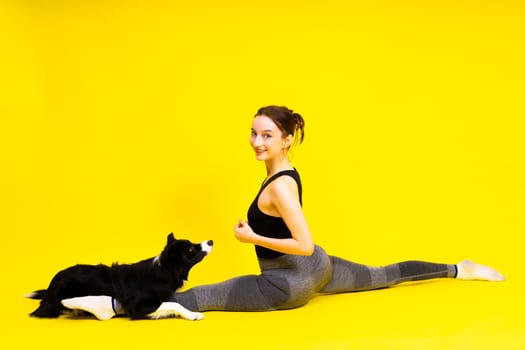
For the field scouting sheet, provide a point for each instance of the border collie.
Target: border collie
(140, 287)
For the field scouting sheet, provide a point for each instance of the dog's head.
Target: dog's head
(180, 255)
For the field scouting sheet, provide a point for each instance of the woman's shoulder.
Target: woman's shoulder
(284, 186)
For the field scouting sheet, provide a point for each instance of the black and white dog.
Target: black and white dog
(140, 287)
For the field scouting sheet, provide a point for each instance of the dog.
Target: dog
(140, 288)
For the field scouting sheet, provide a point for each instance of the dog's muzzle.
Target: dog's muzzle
(206, 246)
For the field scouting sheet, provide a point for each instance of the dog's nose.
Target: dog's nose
(210, 242)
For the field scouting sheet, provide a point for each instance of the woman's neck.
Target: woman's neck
(273, 167)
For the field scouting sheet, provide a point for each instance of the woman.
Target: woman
(293, 268)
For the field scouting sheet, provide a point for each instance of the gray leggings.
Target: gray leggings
(290, 281)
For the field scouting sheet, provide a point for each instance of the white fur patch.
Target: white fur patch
(205, 246)
(156, 260)
(172, 309)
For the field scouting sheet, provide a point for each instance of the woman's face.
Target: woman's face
(267, 139)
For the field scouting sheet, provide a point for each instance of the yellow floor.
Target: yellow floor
(441, 314)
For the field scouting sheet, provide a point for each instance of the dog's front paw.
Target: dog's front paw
(195, 316)
(172, 309)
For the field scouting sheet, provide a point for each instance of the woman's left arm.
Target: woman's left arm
(285, 200)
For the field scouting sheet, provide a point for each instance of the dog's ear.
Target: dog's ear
(171, 238)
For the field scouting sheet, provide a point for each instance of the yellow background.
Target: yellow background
(122, 121)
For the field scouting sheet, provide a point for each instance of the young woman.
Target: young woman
(293, 268)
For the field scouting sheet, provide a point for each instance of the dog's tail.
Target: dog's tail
(37, 294)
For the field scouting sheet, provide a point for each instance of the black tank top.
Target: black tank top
(267, 225)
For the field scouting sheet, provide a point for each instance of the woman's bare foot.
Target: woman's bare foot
(469, 270)
(101, 306)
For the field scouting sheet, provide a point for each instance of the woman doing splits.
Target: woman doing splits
(292, 268)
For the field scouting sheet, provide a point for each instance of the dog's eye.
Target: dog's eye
(191, 249)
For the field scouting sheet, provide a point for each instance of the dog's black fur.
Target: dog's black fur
(140, 287)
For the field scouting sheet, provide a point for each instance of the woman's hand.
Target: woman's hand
(244, 233)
